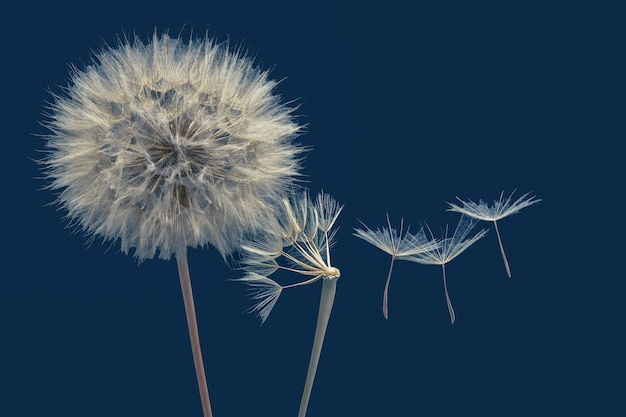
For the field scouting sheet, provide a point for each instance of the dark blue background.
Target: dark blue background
(406, 108)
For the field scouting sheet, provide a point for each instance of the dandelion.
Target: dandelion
(500, 209)
(448, 249)
(300, 243)
(400, 247)
(168, 145)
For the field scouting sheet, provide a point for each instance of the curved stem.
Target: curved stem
(386, 292)
(327, 298)
(192, 324)
(506, 262)
(448, 302)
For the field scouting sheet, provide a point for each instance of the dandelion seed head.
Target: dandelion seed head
(170, 144)
(299, 241)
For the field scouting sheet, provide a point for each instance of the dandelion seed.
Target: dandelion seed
(169, 145)
(501, 209)
(448, 249)
(400, 247)
(299, 242)
(264, 290)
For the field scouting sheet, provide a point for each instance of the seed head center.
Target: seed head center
(332, 272)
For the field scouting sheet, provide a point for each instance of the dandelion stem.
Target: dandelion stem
(327, 298)
(448, 302)
(386, 292)
(190, 311)
(506, 262)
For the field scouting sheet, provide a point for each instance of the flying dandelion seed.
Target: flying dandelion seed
(300, 242)
(501, 209)
(448, 249)
(400, 247)
(169, 145)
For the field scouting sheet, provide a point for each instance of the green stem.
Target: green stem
(327, 298)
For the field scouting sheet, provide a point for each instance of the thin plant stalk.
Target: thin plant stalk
(506, 262)
(327, 298)
(192, 324)
(448, 302)
(386, 292)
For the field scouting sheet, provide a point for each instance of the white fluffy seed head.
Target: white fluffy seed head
(168, 145)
